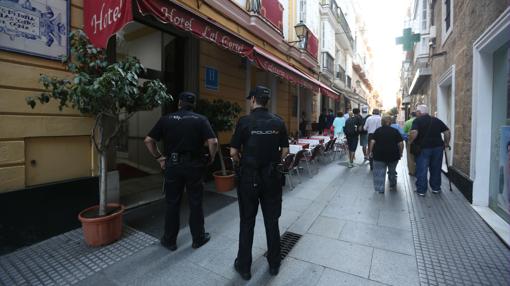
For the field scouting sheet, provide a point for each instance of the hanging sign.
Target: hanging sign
(171, 13)
(102, 19)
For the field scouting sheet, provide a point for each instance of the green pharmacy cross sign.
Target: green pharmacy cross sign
(408, 40)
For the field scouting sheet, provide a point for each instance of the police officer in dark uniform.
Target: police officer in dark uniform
(259, 143)
(184, 134)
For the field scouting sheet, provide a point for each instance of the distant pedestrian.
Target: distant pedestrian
(351, 130)
(184, 133)
(427, 147)
(386, 146)
(411, 163)
(338, 125)
(397, 127)
(322, 121)
(330, 117)
(363, 134)
(371, 125)
(302, 124)
(347, 113)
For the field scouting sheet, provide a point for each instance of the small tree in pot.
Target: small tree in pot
(109, 92)
(222, 115)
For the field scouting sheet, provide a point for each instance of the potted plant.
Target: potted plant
(222, 115)
(112, 93)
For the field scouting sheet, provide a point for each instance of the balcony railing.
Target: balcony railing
(328, 63)
(340, 18)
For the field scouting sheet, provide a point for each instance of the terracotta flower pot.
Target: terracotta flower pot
(103, 230)
(224, 183)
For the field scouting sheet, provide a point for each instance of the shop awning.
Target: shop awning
(419, 78)
(272, 64)
(180, 17)
(104, 18)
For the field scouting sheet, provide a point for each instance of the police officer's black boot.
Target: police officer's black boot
(244, 275)
(202, 241)
(274, 270)
(168, 244)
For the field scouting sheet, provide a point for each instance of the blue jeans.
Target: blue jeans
(431, 160)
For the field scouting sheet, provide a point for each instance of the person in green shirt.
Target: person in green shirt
(411, 163)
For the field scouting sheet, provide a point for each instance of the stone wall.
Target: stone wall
(471, 18)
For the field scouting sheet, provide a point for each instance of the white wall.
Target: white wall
(328, 38)
(285, 4)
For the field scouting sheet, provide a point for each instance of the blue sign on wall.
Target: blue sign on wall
(35, 27)
(211, 78)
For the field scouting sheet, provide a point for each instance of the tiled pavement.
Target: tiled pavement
(351, 236)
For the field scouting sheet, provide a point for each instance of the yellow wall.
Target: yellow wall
(232, 78)
(27, 134)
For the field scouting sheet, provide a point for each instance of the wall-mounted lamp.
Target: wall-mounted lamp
(301, 32)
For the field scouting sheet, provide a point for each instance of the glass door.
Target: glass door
(500, 149)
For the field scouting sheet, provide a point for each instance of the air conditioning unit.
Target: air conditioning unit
(432, 32)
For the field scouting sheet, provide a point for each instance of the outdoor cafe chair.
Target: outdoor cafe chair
(312, 157)
(329, 149)
(288, 162)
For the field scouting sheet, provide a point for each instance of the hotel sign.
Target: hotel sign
(171, 13)
(102, 19)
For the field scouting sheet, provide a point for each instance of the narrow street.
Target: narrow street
(350, 236)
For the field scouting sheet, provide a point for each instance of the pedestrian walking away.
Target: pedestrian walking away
(322, 121)
(411, 164)
(427, 147)
(363, 134)
(351, 131)
(387, 146)
(371, 125)
(338, 125)
(259, 144)
(184, 134)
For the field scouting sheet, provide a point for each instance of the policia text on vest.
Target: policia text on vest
(259, 143)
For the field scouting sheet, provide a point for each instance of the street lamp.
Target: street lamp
(301, 32)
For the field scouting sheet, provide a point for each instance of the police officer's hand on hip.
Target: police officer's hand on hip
(184, 133)
(262, 140)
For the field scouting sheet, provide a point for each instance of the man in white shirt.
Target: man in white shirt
(371, 124)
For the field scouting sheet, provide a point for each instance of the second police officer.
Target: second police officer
(259, 143)
(184, 133)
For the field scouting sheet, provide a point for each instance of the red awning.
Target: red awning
(104, 18)
(272, 64)
(180, 17)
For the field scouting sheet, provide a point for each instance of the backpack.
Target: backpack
(364, 120)
(350, 127)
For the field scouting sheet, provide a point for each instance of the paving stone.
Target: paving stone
(327, 226)
(394, 268)
(339, 255)
(295, 204)
(304, 222)
(297, 272)
(382, 237)
(332, 277)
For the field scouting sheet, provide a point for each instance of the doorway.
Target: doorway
(446, 110)
(162, 56)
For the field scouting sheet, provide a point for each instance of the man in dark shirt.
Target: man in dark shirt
(184, 134)
(259, 143)
(351, 131)
(426, 133)
(322, 121)
(386, 145)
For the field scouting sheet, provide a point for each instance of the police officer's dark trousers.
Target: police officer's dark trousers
(187, 175)
(264, 186)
